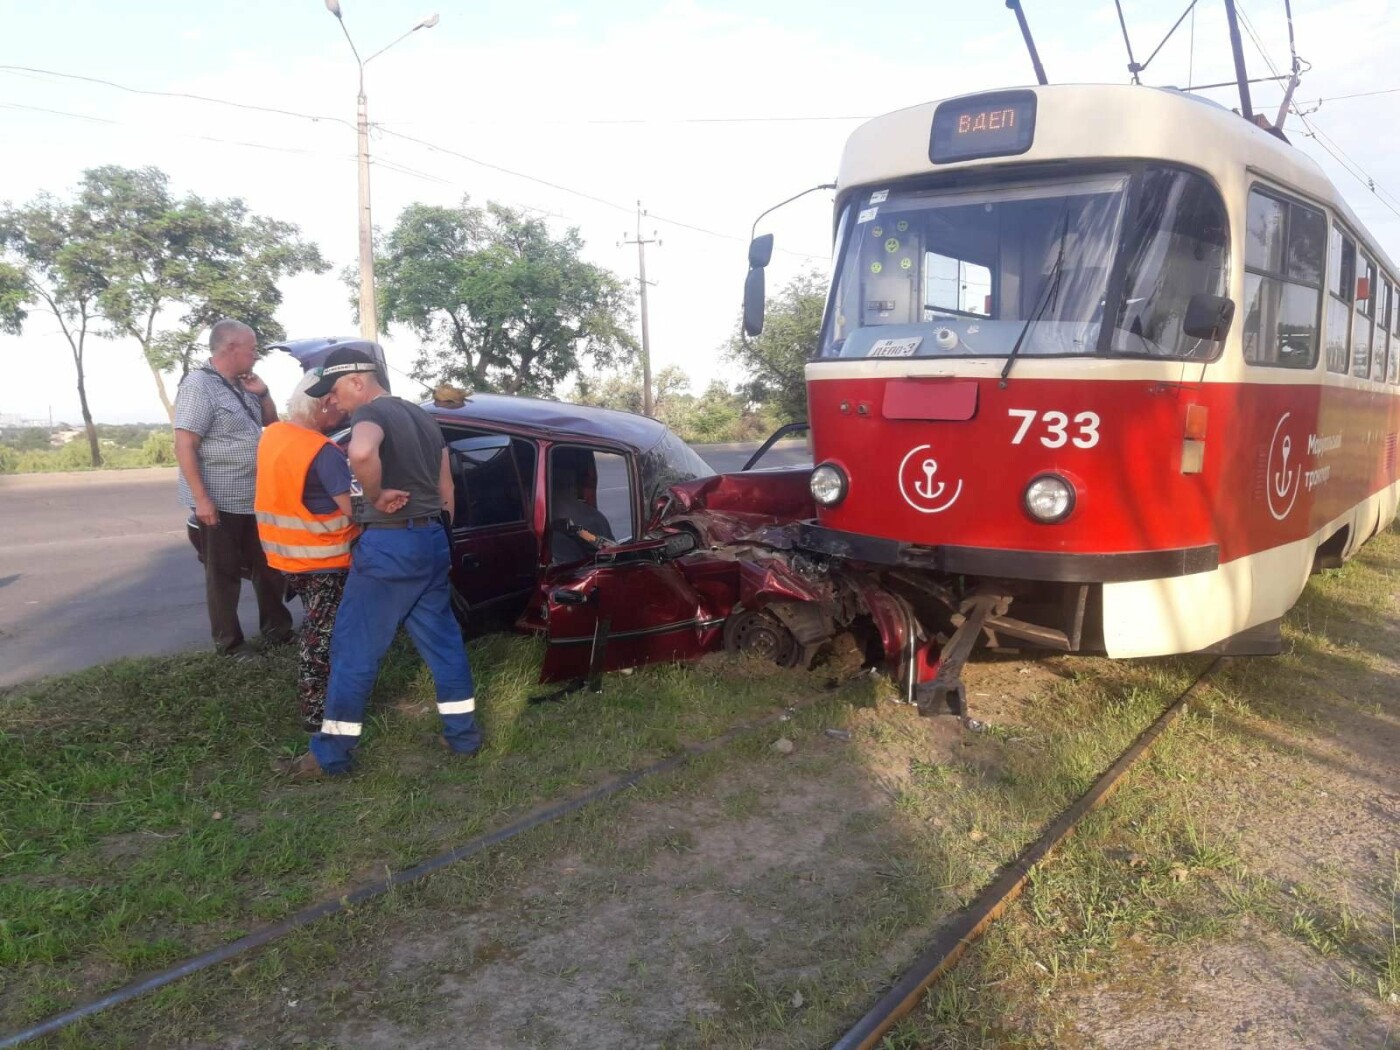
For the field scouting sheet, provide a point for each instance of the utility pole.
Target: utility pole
(369, 305)
(641, 244)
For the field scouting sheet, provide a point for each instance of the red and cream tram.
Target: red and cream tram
(1031, 389)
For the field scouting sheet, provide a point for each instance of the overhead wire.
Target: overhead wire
(642, 121)
(386, 130)
(1317, 103)
(1334, 150)
(174, 94)
(179, 134)
(585, 195)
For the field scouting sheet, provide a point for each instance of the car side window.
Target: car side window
(590, 495)
(491, 476)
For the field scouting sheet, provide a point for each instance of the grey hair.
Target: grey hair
(225, 332)
(302, 408)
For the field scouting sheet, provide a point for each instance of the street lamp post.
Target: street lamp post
(369, 306)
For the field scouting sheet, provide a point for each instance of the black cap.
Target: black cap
(341, 362)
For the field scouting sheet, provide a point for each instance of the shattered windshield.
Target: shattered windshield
(959, 272)
(669, 462)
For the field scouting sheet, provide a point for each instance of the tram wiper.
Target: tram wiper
(1052, 284)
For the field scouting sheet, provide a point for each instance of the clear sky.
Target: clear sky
(708, 111)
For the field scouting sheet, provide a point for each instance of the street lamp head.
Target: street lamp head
(333, 6)
(427, 23)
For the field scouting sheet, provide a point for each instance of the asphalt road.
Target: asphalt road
(94, 567)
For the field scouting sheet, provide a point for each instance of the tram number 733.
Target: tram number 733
(1056, 427)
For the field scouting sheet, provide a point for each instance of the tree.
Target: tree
(14, 293)
(623, 391)
(55, 251)
(502, 304)
(171, 268)
(775, 360)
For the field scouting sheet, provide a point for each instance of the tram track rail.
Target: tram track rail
(346, 902)
(940, 956)
(952, 941)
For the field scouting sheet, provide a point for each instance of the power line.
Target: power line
(448, 151)
(1359, 94)
(643, 121)
(1318, 135)
(178, 134)
(780, 119)
(32, 70)
(379, 160)
(175, 94)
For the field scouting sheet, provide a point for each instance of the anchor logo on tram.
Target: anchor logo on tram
(1281, 482)
(920, 487)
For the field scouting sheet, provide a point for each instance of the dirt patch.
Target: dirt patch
(1313, 815)
(638, 938)
(128, 848)
(1259, 990)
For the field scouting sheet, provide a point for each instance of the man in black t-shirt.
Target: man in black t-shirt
(399, 571)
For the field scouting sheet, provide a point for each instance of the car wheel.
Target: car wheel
(760, 633)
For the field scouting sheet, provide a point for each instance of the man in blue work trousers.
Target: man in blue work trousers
(399, 570)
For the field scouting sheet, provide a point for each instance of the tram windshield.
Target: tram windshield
(960, 272)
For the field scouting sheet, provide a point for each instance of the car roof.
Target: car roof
(554, 419)
(551, 418)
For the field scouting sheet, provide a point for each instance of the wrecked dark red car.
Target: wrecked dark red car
(609, 537)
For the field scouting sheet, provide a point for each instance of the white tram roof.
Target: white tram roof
(1098, 122)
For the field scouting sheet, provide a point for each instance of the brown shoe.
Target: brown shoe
(443, 745)
(303, 767)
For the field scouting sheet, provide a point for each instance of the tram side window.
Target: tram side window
(1341, 289)
(1285, 247)
(1386, 340)
(1382, 347)
(1393, 367)
(1379, 325)
(1361, 319)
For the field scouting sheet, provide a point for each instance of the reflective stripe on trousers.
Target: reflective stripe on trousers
(397, 576)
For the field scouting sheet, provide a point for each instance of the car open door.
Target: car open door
(495, 550)
(630, 605)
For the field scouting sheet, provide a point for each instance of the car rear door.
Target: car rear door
(495, 550)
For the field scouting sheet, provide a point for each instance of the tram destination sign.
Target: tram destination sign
(1001, 124)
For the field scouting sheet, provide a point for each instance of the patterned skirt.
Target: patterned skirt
(320, 594)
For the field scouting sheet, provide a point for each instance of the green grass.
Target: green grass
(112, 861)
(140, 817)
(167, 873)
(1161, 866)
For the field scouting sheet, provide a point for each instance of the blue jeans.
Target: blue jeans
(397, 576)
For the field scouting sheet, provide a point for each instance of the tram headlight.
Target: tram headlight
(1049, 498)
(828, 484)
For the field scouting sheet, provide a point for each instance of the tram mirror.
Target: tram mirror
(754, 293)
(1209, 316)
(761, 251)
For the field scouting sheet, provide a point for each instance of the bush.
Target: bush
(158, 450)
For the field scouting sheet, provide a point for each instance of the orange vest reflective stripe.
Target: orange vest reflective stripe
(295, 538)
